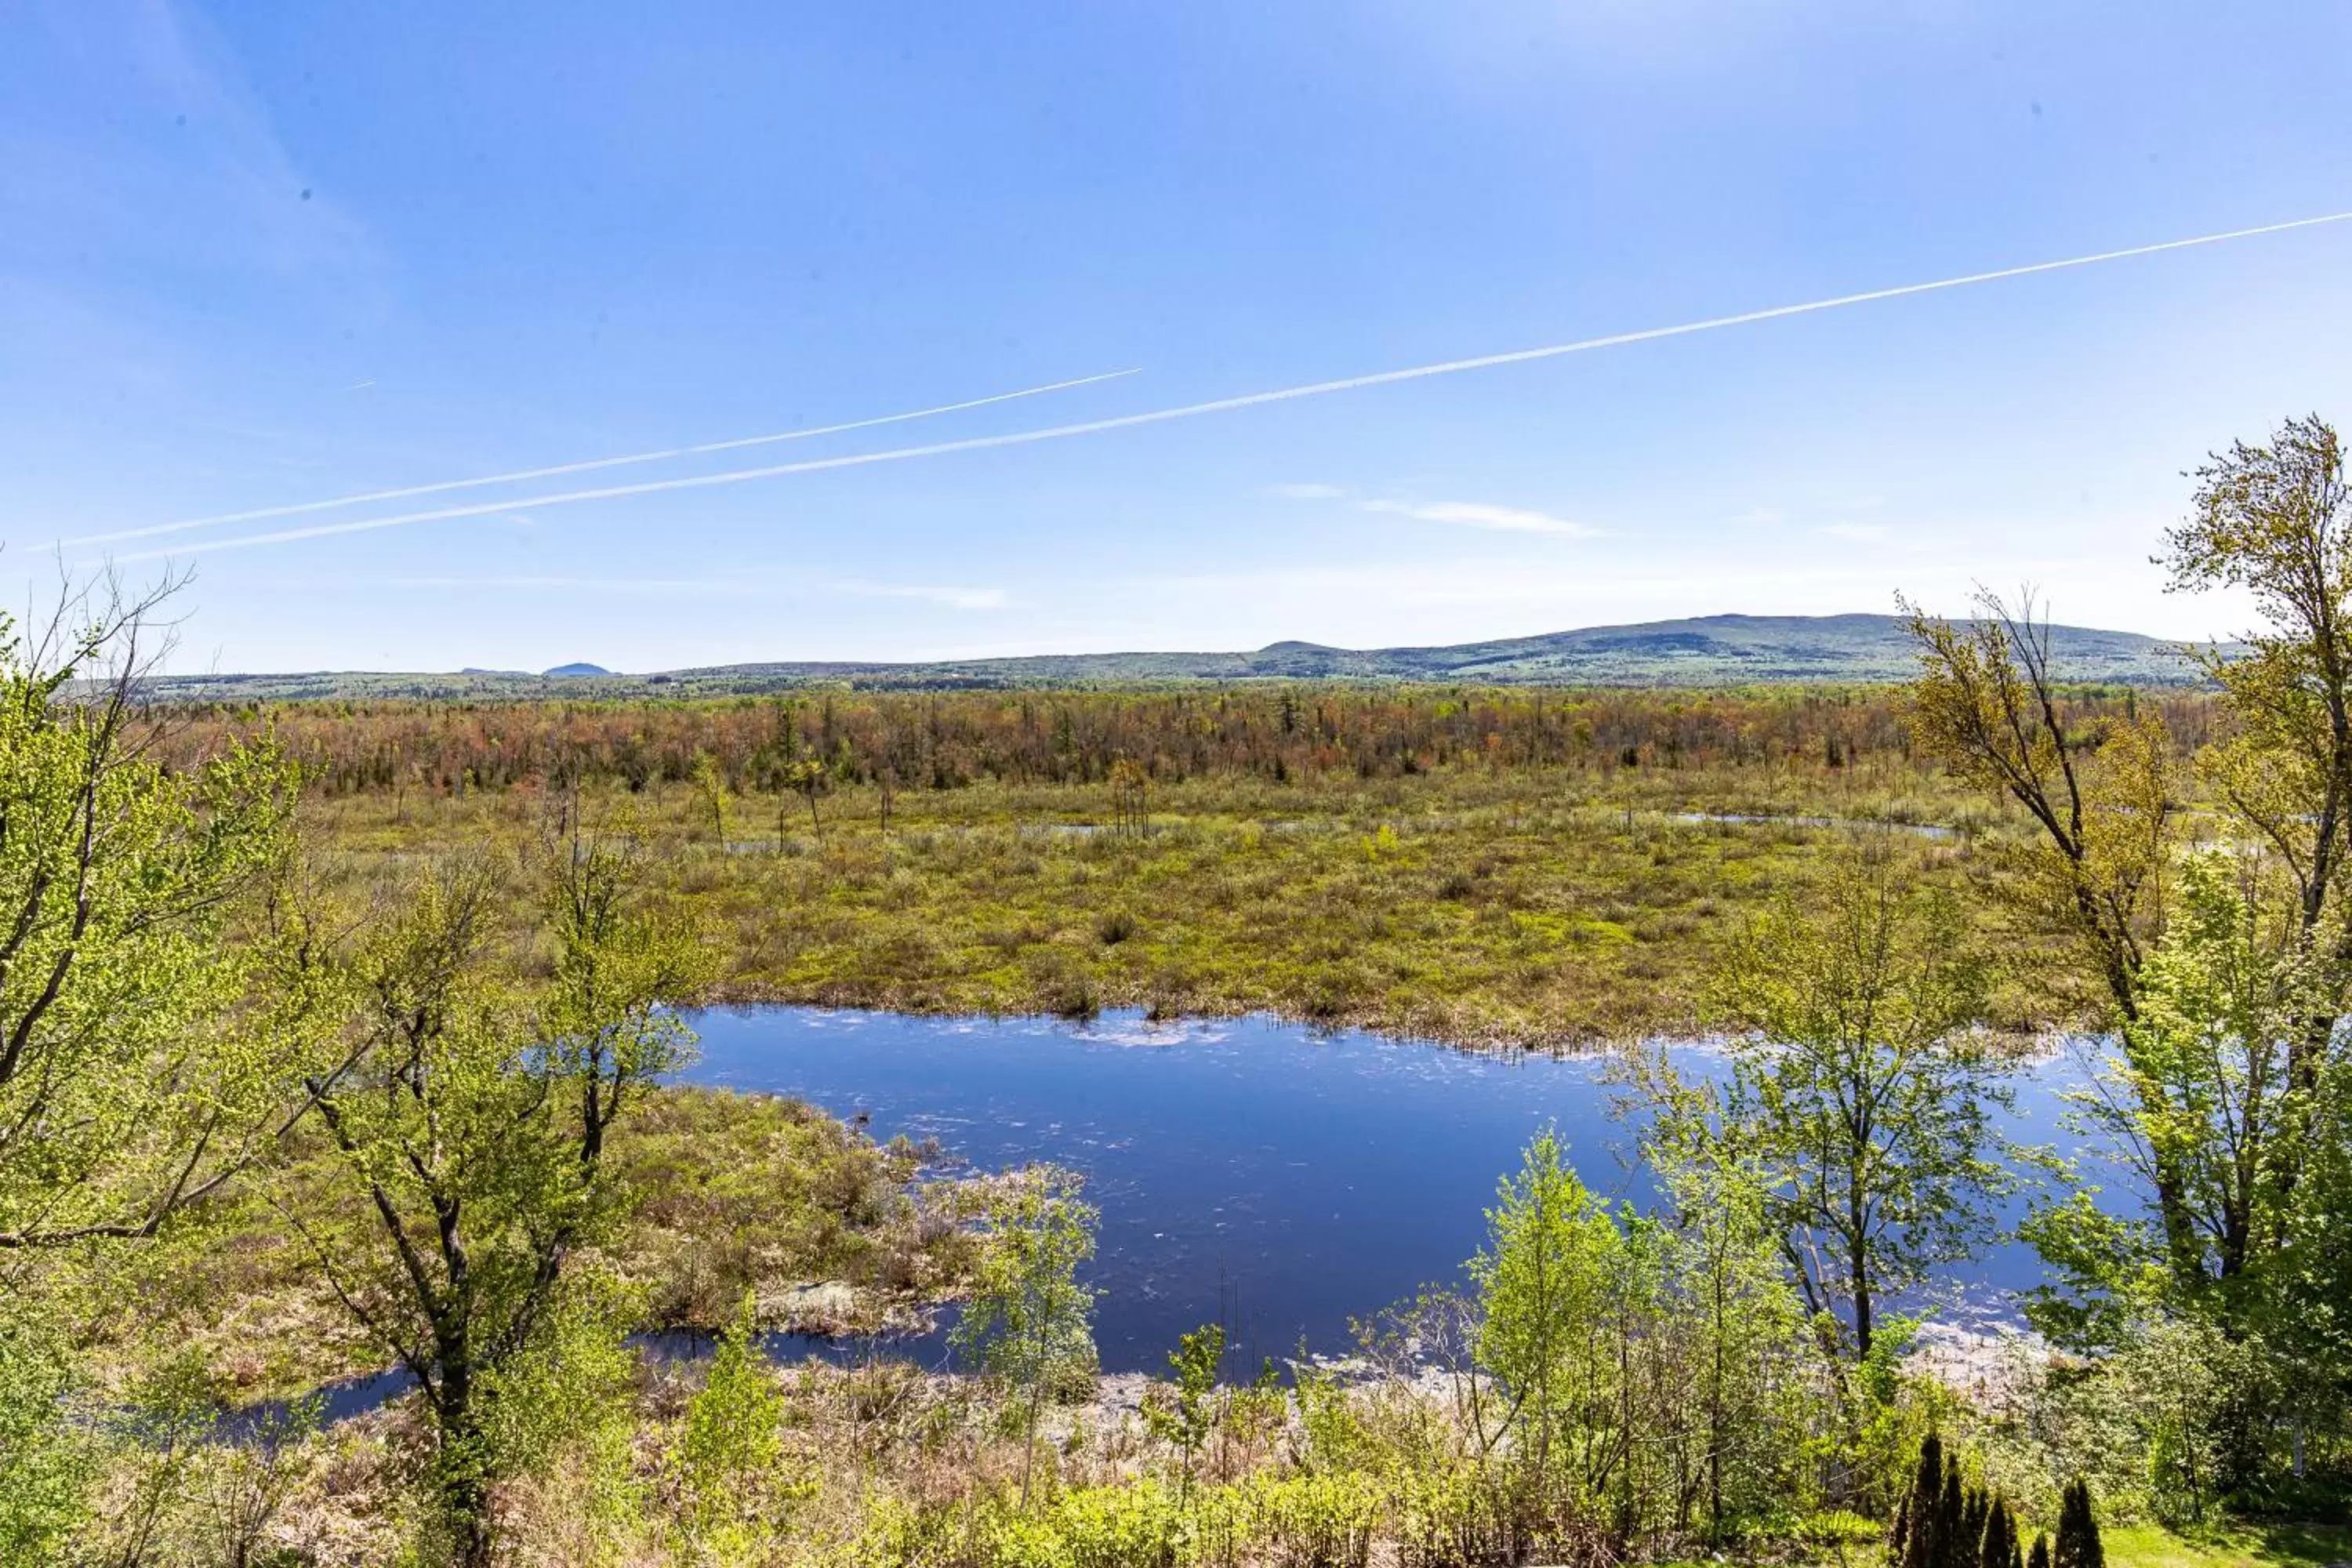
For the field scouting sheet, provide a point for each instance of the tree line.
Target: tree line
(947, 740)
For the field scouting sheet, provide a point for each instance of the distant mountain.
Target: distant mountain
(1707, 650)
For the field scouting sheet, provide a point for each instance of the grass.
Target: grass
(2234, 1546)
(1541, 906)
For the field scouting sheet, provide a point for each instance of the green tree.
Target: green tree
(134, 1080)
(710, 784)
(1916, 1540)
(1740, 1322)
(2078, 1544)
(733, 1435)
(1858, 1089)
(2201, 1085)
(2273, 522)
(132, 1083)
(1029, 1323)
(1543, 1280)
(472, 1146)
(1183, 1416)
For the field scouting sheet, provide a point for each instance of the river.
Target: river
(1278, 1179)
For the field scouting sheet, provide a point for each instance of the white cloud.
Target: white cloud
(1480, 514)
(1763, 516)
(1304, 492)
(1856, 532)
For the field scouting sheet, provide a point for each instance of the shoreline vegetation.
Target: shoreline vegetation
(341, 1037)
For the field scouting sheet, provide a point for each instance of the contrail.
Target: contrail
(1223, 404)
(581, 468)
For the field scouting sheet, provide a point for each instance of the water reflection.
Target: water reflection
(1274, 1178)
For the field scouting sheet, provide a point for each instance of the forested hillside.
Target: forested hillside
(1706, 651)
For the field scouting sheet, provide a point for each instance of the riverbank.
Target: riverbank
(732, 1194)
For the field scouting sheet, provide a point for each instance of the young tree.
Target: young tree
(1029, 1323)
(710, 784)
(1917, 1537)
(1859, 1088)
(1183, 1416)
(472, 1144)
(1740, 1326)
(1542, 1281)
(810, 778)
(732, 1436)
(1129, 786)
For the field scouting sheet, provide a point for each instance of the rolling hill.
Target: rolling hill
(1707, 650)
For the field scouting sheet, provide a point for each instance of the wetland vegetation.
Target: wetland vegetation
(342, 1038)
(1479, 866)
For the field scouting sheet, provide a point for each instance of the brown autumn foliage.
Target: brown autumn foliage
(948, 740)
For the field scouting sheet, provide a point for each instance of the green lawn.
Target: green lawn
(2230, 1546)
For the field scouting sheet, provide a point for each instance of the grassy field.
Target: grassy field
(2231, 1546)
(1473, 905)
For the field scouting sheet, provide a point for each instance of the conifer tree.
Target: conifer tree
(2078, 1544)
(1919, 1543)
(2040, 1556)
(1954, 1547)
(1966, 1551)
(1999, 1547)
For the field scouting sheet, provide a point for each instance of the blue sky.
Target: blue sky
(255, 255)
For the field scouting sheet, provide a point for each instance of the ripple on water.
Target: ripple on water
(1279, 1179)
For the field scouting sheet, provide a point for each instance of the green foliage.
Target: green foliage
(732, 1442)
(1552, 1257)
(129, 1084)
(46, 1460)
(472, 1146)
(1943, 1522)
(1647, 1372)
(1029, 1323)
(2200, 1084)
(1183, 1417)
(2228, 1323)
(2078, 1544)
(1860, 1093)
(2227, 983)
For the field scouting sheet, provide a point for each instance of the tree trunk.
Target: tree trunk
(1860, 1263)
(463, 1485)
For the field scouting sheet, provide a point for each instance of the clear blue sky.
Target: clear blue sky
(256, 255)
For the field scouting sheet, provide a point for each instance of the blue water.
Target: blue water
(1274, 1178)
